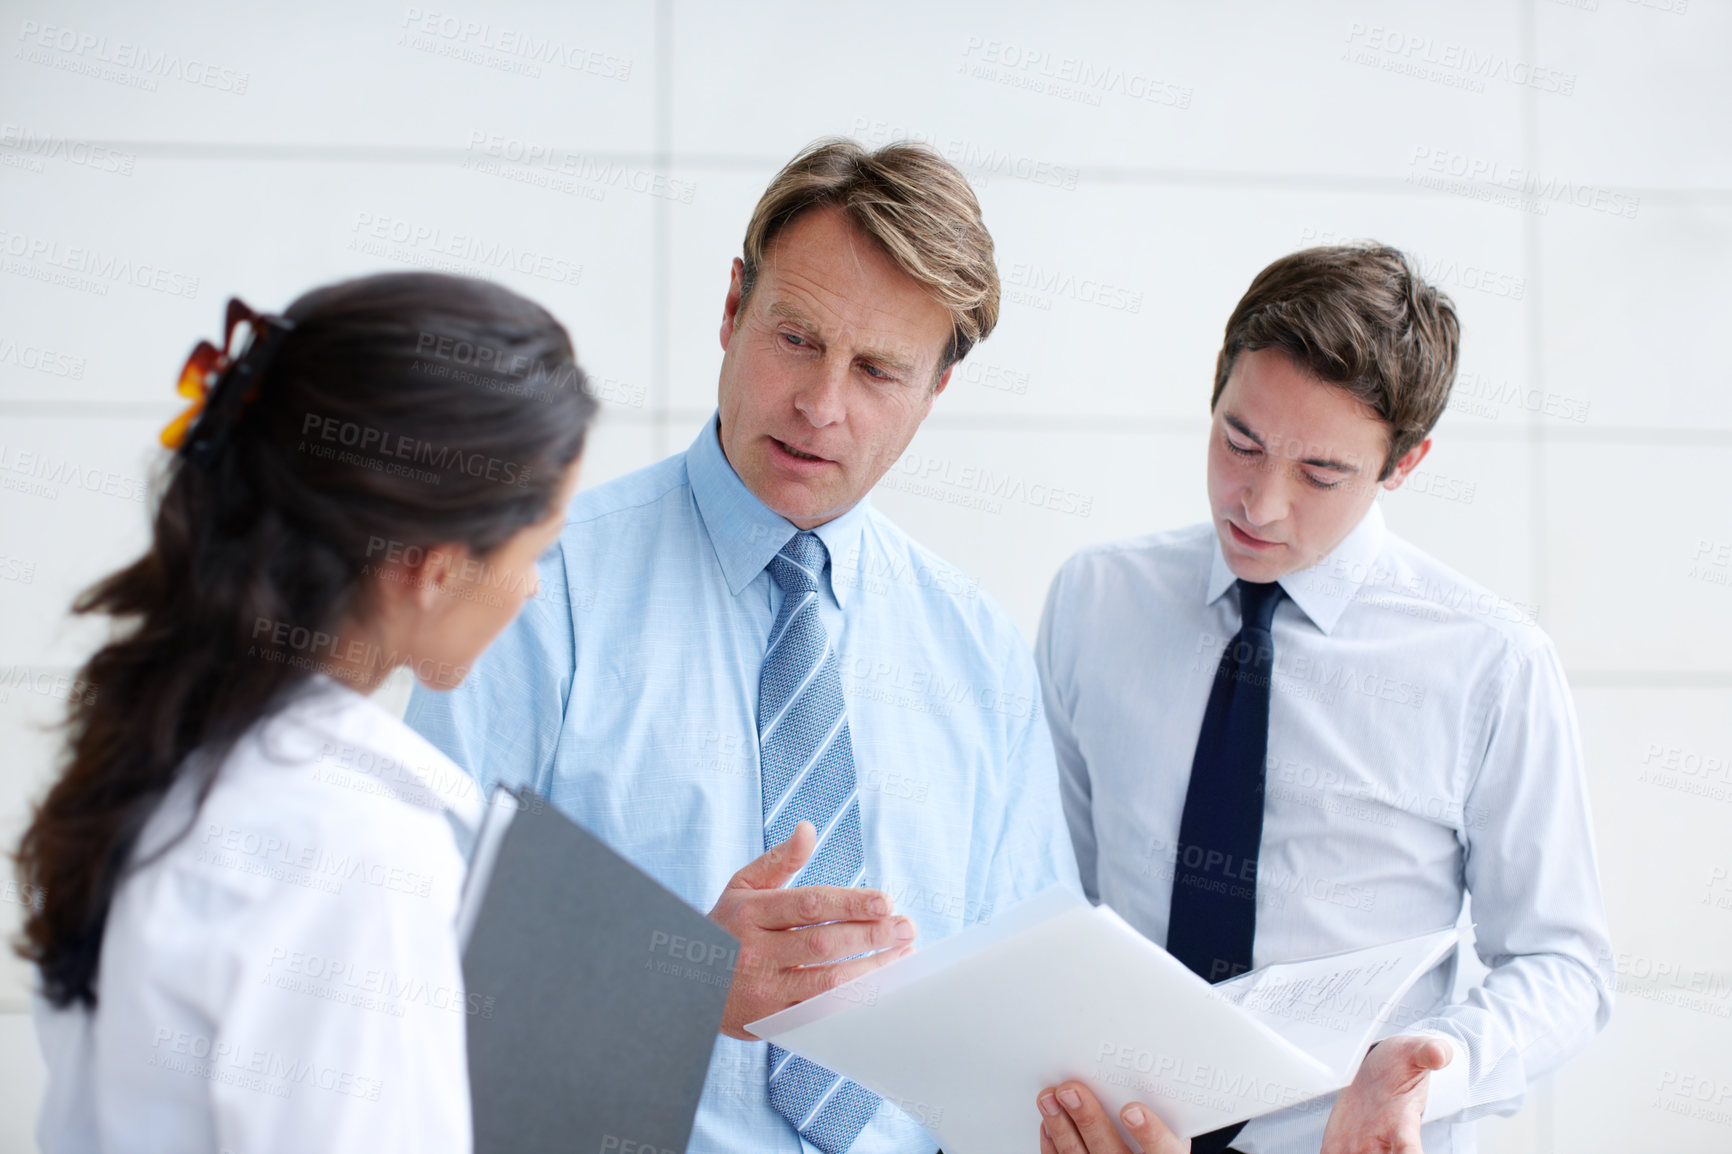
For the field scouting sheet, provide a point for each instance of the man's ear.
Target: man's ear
(731, 304)
(943, 379)
(1409, 462)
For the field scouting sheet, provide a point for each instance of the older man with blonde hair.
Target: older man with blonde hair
(741, 675)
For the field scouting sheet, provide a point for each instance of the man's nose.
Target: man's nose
(821, 399)
(1265, 500)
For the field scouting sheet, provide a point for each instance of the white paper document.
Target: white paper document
(964, 1034)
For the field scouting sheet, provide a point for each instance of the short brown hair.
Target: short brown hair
(1359, 316)
(914, 203)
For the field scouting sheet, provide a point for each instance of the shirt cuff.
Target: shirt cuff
(1447, 1093)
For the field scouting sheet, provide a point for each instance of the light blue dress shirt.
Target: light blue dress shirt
(627, 693)
(1422, 747)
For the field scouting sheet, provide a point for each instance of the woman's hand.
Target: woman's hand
(1072, 1122)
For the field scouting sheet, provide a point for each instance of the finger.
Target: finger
(1150, 1132)
(814, 905)
(1097, 1130)
(1435, 1054)
(1057, 1126)
(1046, 1146)
(819, 945)
(811, 981)
(776, 866)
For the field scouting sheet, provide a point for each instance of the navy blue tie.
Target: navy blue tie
(1213, 916)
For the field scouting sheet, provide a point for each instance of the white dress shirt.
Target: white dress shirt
(285, 977)
(1422, 747)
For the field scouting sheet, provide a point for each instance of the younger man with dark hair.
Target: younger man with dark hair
(1290, 733)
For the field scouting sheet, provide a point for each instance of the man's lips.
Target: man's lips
(1249, 541)
(795, 453)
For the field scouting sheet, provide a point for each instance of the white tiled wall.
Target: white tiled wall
(1581, 469)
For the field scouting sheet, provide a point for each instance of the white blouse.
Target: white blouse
(285, 977)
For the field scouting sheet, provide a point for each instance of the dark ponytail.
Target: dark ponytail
(408, 410)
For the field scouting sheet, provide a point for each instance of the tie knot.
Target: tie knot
(1257, 603)
(800, 564)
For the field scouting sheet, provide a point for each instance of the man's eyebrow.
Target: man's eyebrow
(1315, 462)
(787, 311)
(1332, 465)
(899, 366)
(1242, 427)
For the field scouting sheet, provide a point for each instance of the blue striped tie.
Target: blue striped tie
(808, 774)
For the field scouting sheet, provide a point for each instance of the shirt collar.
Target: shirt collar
(745, 532)
(1325, 590)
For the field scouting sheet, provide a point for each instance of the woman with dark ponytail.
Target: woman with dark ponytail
(244, 880)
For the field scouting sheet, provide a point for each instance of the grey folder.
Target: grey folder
(594, 994)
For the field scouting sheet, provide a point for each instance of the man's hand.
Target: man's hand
(1072, 1122)
(790, 939)
(1379, 1113)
